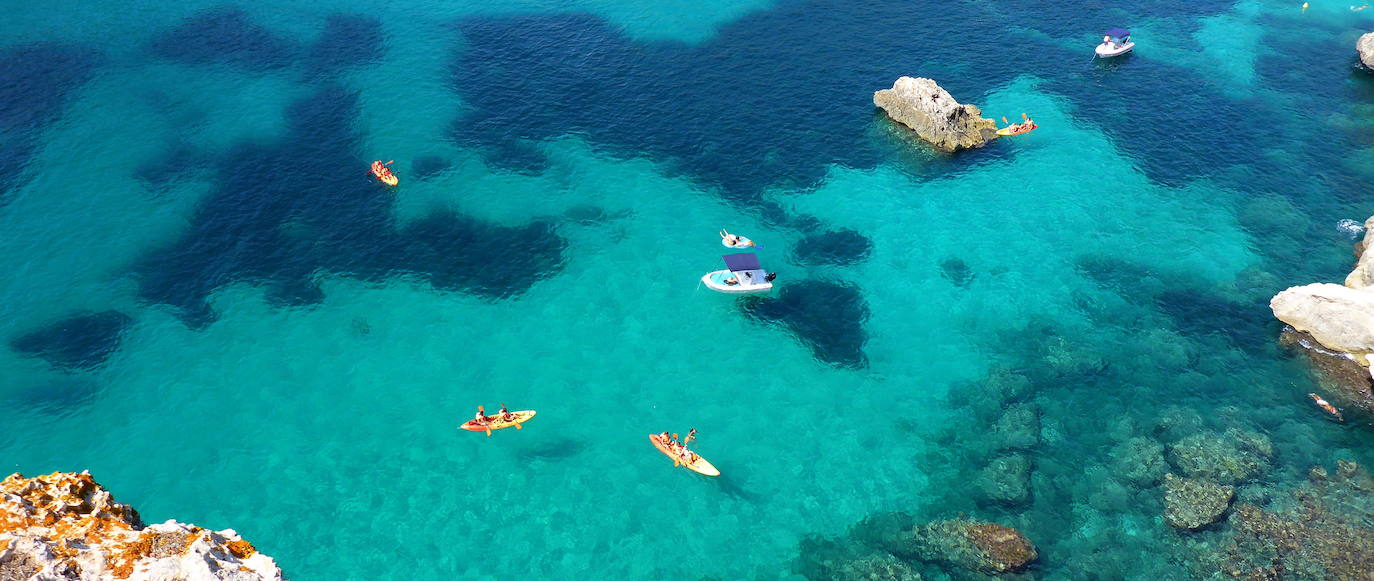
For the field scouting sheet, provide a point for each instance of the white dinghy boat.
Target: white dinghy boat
(742, 276)
(1115, 42)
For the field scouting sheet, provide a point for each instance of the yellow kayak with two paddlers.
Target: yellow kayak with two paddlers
(498, 423)
(697, 464)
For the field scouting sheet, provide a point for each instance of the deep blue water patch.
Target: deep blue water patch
(225, 35)
(79, 342)
(827, 317)
(840, 247)
(745, 110)
(348, 40)
(1202, 313)
(284, 214)
(35, 82)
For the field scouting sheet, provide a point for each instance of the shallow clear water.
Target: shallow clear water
(300, 344)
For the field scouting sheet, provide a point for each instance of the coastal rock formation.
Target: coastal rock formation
(1193, 503)
(1334, 325)
(65, 526)
(1365, 46)
(924, 106)
(1339, 317)
(966, 545)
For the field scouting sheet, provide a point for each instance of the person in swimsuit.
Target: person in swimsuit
(506, 415)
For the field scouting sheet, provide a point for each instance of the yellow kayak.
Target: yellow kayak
(698, 464)
(496, 423)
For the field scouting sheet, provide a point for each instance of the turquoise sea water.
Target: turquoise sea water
(284, 348)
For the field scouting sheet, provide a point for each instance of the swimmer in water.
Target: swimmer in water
(1358, 8)
(1330, 409)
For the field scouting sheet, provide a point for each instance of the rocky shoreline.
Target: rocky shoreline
(66, 526)
(1333, 326)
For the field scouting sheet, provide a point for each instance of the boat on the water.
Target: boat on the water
(742, 276)
(690, 460)
(1115, 42)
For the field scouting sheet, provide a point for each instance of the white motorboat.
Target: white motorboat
(742, 276)
(1115, 42)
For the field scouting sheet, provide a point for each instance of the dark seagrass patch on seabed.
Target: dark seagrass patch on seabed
(78, 342)
(320, 213)
(225, 35)
(827, 317)
(35, 83)
(837, 247)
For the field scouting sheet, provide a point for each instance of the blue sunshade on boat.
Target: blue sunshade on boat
(1118, 32)
(746, 261)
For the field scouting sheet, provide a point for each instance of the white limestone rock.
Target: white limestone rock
(921, 104)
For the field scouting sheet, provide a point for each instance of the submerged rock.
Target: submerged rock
(955, 270)
(1365, 46)
(65, 526)
(967, 546)
(1006, 480)
(828, 560)
(1323, 529)
(1140, 461)
(1231, 458)
(1017, 429)
(921, 104)
(1193, 503)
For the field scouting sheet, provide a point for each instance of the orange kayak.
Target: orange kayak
(698, 464)
(496, 423)
(380, 170)
(1007, 131)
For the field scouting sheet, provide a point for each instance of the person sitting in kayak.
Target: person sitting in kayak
(506, 416)
(481, 419)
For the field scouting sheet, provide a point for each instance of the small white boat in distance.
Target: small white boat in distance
(1116, 41)
(742, 276)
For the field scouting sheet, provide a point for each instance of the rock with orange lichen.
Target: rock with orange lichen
(65, 526)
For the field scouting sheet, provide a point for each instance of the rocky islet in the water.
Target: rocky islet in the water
(66, 526)
(1335, 326)
(1365, 46)
(929, 110)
